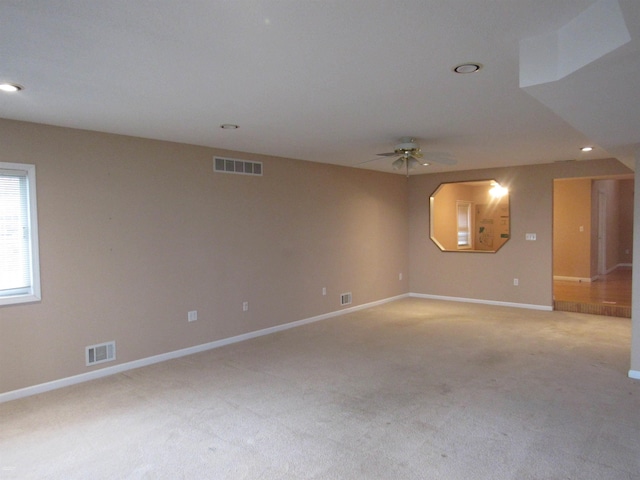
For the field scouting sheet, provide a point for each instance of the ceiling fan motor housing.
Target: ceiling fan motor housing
(407, 148)
(408, 145)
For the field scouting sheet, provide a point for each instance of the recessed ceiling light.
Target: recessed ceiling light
(10, 87)
(467, 68)
(586, 149)
(229, 126)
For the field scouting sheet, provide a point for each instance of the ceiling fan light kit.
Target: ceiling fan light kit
(398, 164)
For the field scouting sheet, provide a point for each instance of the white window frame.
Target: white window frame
(31, 293)
(464, 229)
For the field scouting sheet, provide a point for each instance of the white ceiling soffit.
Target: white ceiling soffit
(588, 73)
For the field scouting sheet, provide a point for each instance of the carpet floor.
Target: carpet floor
(413, 389)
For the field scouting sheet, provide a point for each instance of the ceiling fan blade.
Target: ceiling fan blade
(367, 161)
(439, 157)
(389, 154)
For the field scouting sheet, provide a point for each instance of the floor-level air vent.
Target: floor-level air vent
(345, 299)
(104, 352)
(242, 167)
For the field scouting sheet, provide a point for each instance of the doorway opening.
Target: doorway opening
(592, 245)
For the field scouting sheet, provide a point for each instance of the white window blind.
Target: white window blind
(19, 277)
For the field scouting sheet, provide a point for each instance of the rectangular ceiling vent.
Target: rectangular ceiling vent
(103, 352)
(345, 299)
(242, 167)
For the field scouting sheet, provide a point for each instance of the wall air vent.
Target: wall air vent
(104, 352)
(345, 299)
(242, 167)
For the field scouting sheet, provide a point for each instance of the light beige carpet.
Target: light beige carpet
(414, 389)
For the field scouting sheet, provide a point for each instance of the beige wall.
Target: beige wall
(611, 190)
(572, 228)
(489, 276)
(635, 300)
(625, 236)
(134, 233)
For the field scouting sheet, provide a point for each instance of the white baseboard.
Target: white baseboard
(485, 302)
(575, 279)
(143, 362)
(592, 279)
(635, 374)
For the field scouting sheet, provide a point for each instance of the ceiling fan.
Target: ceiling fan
(410, 156)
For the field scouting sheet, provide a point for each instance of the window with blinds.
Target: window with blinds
(19, 266)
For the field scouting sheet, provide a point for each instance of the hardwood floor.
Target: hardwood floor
(608, 295)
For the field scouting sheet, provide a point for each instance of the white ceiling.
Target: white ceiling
(332, 81)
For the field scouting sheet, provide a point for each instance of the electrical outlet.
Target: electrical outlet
(324, 290)
(516, 282)
(192, 316)
(400, 276)
(245, 306)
